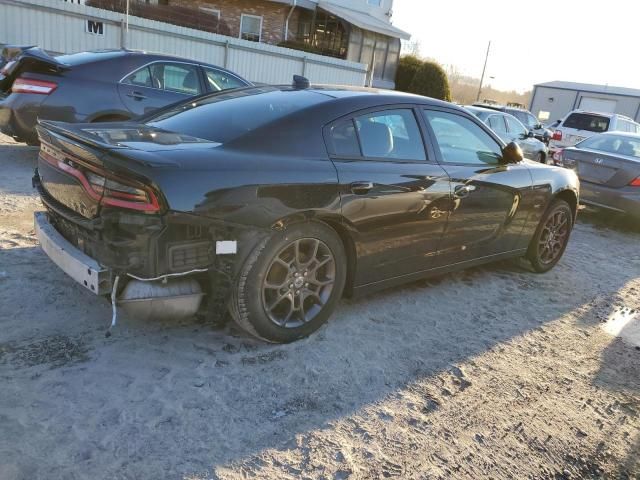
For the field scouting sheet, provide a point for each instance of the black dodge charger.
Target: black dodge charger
(273, 202)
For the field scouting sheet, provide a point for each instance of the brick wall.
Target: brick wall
(273, 15)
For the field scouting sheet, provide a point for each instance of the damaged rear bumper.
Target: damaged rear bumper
(82, 268)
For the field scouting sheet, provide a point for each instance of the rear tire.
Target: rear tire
(552, 235)
(291, 283)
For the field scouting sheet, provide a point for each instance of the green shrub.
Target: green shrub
(407, 68)
(431, 81)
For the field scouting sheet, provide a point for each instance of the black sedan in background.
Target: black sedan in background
(273, 202)
(98, 86)
(608, 165)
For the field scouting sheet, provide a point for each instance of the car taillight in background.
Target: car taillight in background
(557, 157)
(103, 187)
(30, 85)
(557, 135)
(635, 182)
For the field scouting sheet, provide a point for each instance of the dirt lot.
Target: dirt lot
(491, 373)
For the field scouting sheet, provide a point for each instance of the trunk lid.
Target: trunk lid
(602, 168)
(81, 172)
(28, 60)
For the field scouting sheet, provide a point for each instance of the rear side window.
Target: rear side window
(140, 78)
(390, 134)
(587, 121)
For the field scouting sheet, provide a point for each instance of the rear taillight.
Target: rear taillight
(103, 187)
(635, 182)
(29, 85)
(557, 135)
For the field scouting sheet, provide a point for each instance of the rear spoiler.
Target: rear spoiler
(23, 59)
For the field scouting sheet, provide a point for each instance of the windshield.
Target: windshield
(224, 117)
(616, 144)
(587, 121)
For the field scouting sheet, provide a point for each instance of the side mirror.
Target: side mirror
(512, 153)
(529, 134)
(538, 127)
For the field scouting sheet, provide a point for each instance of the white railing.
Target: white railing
(66, 27)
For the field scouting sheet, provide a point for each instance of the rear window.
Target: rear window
(620, 145)
(227, 116)
(587, 121)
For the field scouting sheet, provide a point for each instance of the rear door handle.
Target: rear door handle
(361, 188)
(462, 191)
(136, 96)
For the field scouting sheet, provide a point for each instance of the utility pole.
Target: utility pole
(483, 71)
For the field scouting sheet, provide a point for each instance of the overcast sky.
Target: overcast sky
(532, 41)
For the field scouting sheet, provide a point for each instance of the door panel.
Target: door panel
(486, 216)
(394, 201)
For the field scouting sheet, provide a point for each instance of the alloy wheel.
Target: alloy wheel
(553, 237)
(299, 282)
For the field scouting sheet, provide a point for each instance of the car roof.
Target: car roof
(602, 114)
(92, 56)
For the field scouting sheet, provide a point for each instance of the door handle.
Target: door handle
(361, 188)
(136, 96)
(462, 191)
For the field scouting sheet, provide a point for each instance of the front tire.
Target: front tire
(291, 283)
(552, 235)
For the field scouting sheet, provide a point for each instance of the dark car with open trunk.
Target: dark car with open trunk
(273, 202)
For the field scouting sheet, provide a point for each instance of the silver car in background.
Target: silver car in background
(510, 129)
(608, 165)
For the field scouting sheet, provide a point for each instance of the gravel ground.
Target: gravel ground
(495, 372)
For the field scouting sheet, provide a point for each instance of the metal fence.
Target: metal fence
(62, 27)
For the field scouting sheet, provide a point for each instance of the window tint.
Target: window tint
(587, 121)
(345, 139)
(390, 134)
(496, 123)
(229, 115)
(176, 77)
(219, 80)
(514, 125)
(141, 78)
(613, 144)
(250, 27)
(462, 141)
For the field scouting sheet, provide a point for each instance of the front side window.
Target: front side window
(218, 80)
(461, 140)
(496, 123)
(250, 27)
(392, 134)
(515, 126)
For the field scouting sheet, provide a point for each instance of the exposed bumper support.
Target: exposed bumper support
(82, 268)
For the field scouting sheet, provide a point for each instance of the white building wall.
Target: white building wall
(61, 27)
(559, 102)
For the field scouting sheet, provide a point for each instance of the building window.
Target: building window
(251, 27)
(376, 3)
(323, 33)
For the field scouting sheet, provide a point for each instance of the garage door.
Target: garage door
(598, 105)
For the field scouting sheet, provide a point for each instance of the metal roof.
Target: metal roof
(364, 20)
(588, 87)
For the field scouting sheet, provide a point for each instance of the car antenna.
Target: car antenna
(300, 82)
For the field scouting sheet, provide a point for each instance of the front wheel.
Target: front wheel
(291, 283)
(552, 235)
